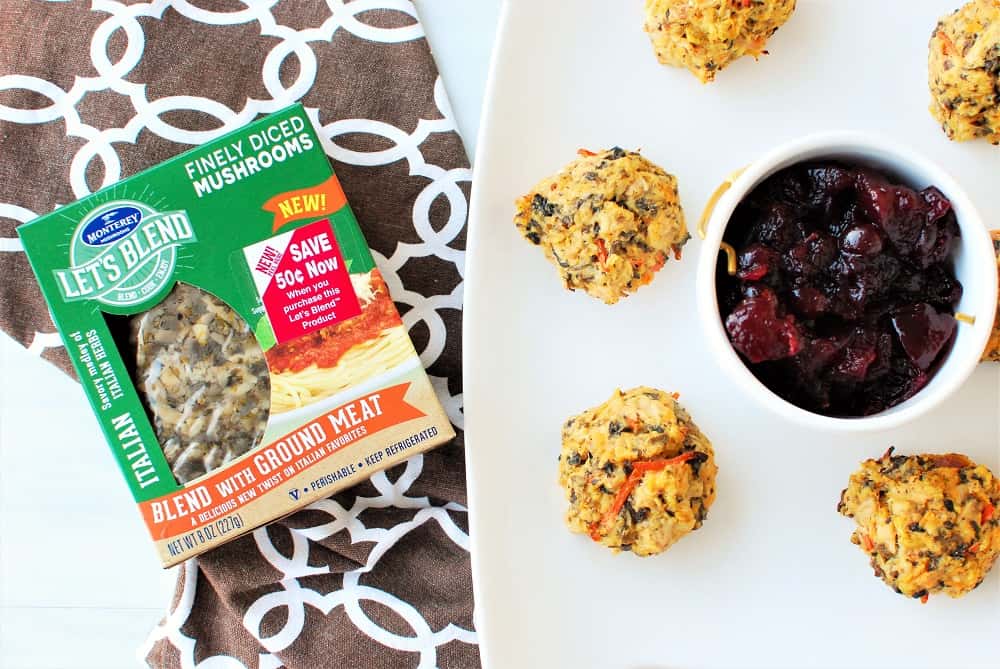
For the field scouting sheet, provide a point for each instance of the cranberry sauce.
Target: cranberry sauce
(845, 294)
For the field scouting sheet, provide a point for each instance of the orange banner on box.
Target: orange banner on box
(295, 205)
(244, 481)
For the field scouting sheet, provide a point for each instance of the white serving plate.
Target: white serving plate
(771, 580)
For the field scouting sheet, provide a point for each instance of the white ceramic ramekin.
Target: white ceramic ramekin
(975, 267)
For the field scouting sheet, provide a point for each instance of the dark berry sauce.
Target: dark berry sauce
(845, 294)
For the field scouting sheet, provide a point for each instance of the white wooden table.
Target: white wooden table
(79, 582)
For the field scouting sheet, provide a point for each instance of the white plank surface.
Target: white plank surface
(79, 583)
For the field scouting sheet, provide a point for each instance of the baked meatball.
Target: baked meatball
(992, 353)
(928, 522)
(707, 35)
(607, 221)
(638, 473)
(964, 72)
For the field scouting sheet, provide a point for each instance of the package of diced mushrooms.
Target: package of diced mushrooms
(238, 345)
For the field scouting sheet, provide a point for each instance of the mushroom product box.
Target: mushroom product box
(238, 345)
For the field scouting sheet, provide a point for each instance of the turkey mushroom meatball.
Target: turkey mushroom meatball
(964, 72)
(705, 36)
(638, 473)
(928, 523)
(608, 222)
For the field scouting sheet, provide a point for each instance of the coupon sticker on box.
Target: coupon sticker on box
(302, 280)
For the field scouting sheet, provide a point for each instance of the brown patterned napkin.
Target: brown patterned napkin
(377, 576)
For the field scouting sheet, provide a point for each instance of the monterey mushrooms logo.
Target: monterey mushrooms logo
(123, 253)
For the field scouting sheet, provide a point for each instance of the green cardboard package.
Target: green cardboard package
(236, 341)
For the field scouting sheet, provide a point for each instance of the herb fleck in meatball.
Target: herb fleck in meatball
(964, 72)
(928, 522)
(607, 221)
(707, 35)
(638, 473)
